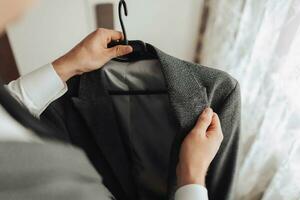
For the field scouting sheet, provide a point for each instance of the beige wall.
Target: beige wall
(54, 26)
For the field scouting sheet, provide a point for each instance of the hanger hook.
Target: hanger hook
(122, 3)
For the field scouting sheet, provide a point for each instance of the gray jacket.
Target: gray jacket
(90, 117)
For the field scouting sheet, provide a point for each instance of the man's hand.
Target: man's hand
(199, 148)
(90, 54)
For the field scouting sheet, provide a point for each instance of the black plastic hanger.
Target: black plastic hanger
(140, 50)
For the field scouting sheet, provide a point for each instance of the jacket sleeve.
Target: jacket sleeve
(223, 168)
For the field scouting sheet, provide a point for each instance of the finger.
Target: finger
(115, 35)
(204, 121)
(119, 50)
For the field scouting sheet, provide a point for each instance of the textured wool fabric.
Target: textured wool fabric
(38, 171)
(86, 116)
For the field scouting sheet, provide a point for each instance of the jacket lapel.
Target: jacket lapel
(95, 106)
(188, 98)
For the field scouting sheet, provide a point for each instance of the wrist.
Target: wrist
(64, 68)
(187, 180)
(187, 176)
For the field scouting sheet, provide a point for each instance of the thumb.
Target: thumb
(215, 126)
(119, 50)
(215, 122)
(204, 121)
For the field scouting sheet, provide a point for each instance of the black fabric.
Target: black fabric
(87, 117)
(148, 131)
(146, 123)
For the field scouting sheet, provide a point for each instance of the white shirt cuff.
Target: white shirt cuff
(191, 192)
(38, 89)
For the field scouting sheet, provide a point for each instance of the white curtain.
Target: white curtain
(258, 42)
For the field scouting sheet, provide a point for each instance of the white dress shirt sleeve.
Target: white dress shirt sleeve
(191, 192)
(38, 89)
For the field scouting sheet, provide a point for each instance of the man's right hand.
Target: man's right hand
(90, 54)
(199, 149)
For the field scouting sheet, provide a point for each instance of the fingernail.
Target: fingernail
(129, 49)
(207, 110)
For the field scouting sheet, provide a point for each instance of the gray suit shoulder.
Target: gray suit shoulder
(219, 84)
